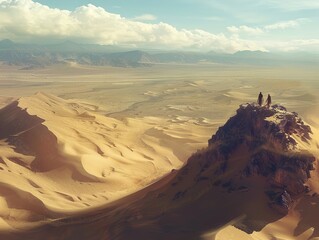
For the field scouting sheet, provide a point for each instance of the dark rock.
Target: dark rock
(256, 125)
(269, 134)
(281, 202)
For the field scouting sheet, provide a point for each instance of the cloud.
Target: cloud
(291, 45)
(285, 25)
(260, 30)
(145, 17)
(310, 45)
(25, 20)
(244, 29)
(292, 5)
(28, 21)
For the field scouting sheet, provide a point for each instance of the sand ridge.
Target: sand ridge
(64, 157)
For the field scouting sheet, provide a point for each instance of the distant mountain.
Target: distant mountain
(180, 57)
(6, 43)
(36, 55)
(132, 58)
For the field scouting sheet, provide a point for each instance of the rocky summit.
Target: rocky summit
(273, 137)
(257, 125)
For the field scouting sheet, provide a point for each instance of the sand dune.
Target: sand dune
(59, 157)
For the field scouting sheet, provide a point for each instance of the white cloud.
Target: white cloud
(291, 45)
(275, 26)
(285, 24)
(244, 29)
(292, 5)
(145, 17)
(294, 45)
(23, 20)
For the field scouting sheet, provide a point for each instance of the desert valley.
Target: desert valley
(159, 120)
(79, 139)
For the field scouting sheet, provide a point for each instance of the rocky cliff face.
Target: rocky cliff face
(259, 125)
(272, 137)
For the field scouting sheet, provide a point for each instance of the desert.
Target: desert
(75, 153)
(159, 120)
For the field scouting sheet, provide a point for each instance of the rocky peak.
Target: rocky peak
(257, 125)
(273, 137)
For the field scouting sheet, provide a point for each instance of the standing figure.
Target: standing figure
(268, 101)
(260, 99)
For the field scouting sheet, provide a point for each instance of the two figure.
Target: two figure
(261, 100)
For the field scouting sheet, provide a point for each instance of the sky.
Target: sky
(195, 25)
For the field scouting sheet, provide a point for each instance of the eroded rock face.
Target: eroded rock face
(257, 125)
(272, 136)
(280, 201)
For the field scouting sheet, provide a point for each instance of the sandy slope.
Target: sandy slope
(59, 157)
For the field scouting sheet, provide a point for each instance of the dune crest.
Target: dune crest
(66, 157)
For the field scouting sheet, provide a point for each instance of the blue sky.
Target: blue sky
(209, 15)
(229, 25)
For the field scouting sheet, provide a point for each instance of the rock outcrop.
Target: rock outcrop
(259, 125)
(271, 136)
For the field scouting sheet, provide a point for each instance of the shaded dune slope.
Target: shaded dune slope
(29, 137)
(59, 157)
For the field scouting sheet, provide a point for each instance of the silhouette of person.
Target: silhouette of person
(260, 99)
(268, 101)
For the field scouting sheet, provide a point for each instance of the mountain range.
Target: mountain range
(40, 55)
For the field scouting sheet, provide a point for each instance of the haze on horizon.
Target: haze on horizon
(270, 25)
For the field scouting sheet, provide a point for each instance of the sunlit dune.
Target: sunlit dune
(59, 157)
